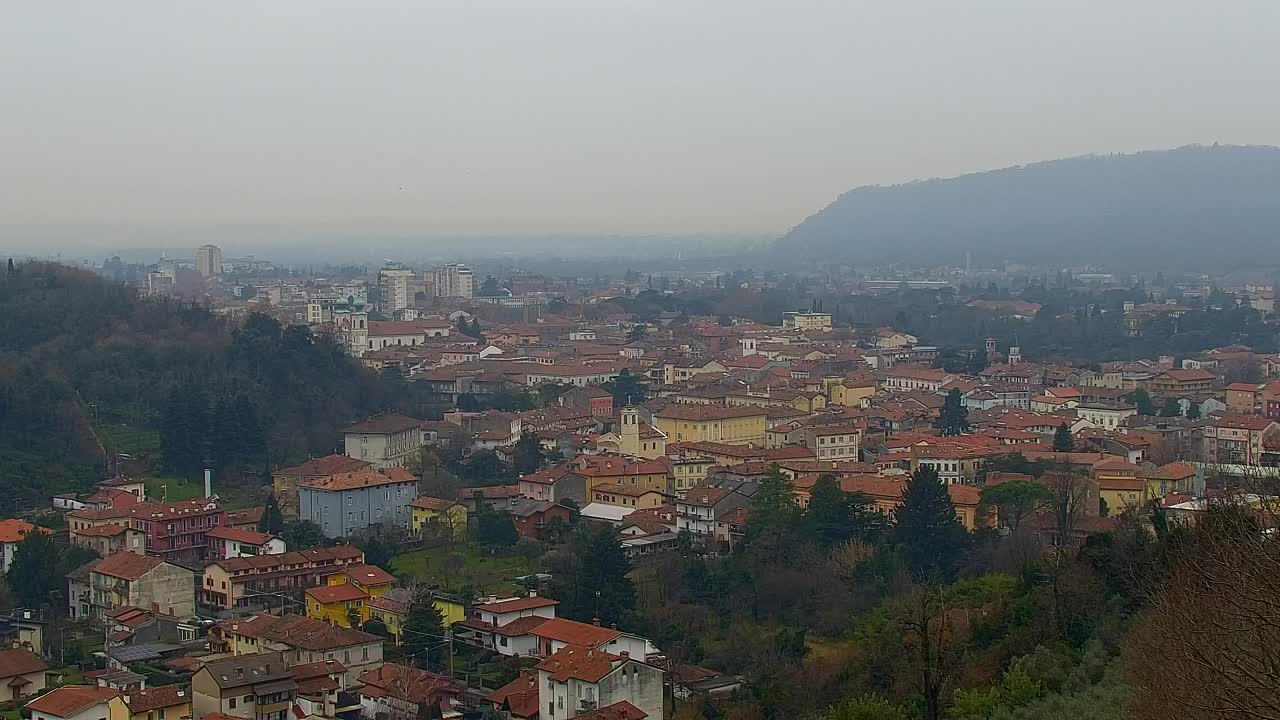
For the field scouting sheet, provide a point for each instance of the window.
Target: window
(346, 657)
(364, 656)
(231, 704)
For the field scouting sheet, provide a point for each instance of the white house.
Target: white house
(229, 542)
(577, 680)
(78, 702)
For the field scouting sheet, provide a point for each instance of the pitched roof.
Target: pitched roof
(270, 563)
(16, 531)
(702, 413)
(244, 670)
(127, 565)
(297, 631)
(327, 465)
(108, 530)
(516, 605)
(383, 425)
(20, 662)
(357, 479)
(572, 632)
(152, 698)
(408, 683)
(368, 575)
(71, 699)
(577, 662)
(425, 502)
(346, 592)
(520, 696)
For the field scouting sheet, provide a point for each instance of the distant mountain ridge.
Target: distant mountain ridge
(1195, 207)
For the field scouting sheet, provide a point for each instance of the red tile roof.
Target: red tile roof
(621, 710)
(367, 575)
(384, 425)
(345, 592)
(365, 478)
(153, 698)
(432, 503)
(572, 632)
(12, 531)
(578, 662)
(20, 662)
(247, 537)
(518, 604)
(126, 565)
(66, 701)
(702, 413)
(327, 465)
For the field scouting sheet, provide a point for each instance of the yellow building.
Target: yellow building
(433, 512)
(652, 475)
(347, 595)
(1119, 484)
(392, 609)
(165, 702)
(740, 425)
(851, 393)
(806, 320)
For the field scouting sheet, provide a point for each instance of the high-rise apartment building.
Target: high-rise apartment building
(394, 286)
(209, 260)
(455, 280)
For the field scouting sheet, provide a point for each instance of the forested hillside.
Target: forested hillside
(79, 353)
(1194, 207)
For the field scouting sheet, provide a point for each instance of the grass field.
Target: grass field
(469, 565)
(136, 441)
(173, 488)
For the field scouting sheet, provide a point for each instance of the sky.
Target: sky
(474, 117)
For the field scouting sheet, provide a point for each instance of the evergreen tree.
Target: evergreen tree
(955, 416)
(527, 455)
(834, 516)
(1172, 408)
(33, 573)
(1062, 439)
(495, 529)
(1193, 411)
(927, 529)
(1142, 400)
(423, 630)
(272, 520)
(773, 507)
(627, 390)
(589, 578)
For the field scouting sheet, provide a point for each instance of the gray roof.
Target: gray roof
(248, 670)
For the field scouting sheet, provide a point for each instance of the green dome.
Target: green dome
(342, 302)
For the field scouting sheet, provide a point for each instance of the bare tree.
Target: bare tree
(1071, 498)
(1208, 647)
(933, 634)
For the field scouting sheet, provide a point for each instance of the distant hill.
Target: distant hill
(1193, 207)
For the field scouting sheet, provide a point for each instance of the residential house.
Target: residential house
(531, 516)
(504, 626)
(1120, 485)
(79, 702)
(700, 508)
(129, 579)
(13, 532)
(627, 496)
(385, 441)
(578, 681)
(228, 542)
(254, 581)
(590, 398)
(252, 685)
(343, 504)
(301, 640)
(109, 539)
(175, 531)
(903, 378)
(448, 517)
(285, 480)
(347, 594)
(22, 673)
(321, 687)
(1245, 398)
(392, 609)
(165, 702)
(554, 484)
(741, 425)
(245, 518)
(1241, 440)
(399, 692)
(833, 442)
(1182, 383)
(620, 470)
(1105, 415)
(954, 464)
(518, 698)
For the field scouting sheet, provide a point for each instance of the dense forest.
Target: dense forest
(80, 354)
(1194, 207)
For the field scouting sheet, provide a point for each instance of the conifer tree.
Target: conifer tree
(1062, 440)
(927, 529)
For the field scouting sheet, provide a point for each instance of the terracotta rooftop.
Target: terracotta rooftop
(153, 698)
(368, 575)
(346, 592)
(578, 662)
(247, 537)
(518, 604)
(383, 425)
(20, 662)
(426, 502)
(572, 632)
(67, 701)
(126, 565)
(327, 465)
(358, 479)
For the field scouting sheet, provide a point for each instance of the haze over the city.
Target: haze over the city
(126, 120)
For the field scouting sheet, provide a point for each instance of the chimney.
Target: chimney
(625, 654)
(208, 483)
(126, 699)
(613, 626)
(533, 593)
(595, 621)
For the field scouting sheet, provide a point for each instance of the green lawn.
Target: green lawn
(135, 441)
(175, 488)
(474, 566)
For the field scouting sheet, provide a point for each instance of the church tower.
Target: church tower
(629, 433)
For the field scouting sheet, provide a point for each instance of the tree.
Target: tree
(774, 515)
(931, 630)
(272, 520)
(1193, 411)
(627, 390)
(495, 529)
(1172, 408)
(636, 333)
(867, 707)
(423, 629)
(954, 419)
(33, 573)
(589, 578)
(834, 517)
(926, 527)
(375, 626)
(378, 552)
(1142, 401)
(302, 534)
(1015, 500)
(1069, 498)
(1062, 439)
(527, 454)
(490, 287)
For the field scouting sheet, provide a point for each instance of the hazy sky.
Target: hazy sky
(533, 116)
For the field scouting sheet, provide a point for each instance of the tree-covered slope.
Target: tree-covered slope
(79, 353)
(1193, 207)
